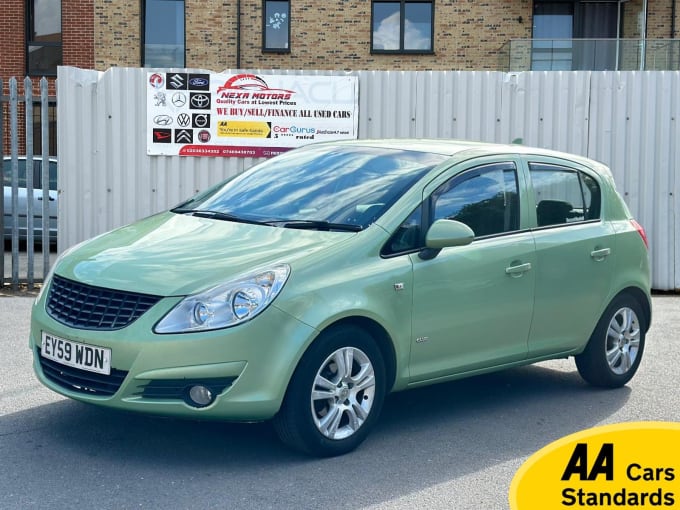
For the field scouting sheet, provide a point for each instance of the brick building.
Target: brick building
(38, 35)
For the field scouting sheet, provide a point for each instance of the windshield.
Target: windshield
(317, 186)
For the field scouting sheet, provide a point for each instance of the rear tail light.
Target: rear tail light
(640, 231)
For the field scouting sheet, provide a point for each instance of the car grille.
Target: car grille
(82, 381)
(86, 307)
(177, 389)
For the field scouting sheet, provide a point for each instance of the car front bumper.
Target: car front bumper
(248, 366)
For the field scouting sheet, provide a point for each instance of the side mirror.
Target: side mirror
(445, 234)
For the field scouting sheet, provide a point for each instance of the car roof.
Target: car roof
(466, 148)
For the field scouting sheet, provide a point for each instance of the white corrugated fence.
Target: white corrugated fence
(628, 120)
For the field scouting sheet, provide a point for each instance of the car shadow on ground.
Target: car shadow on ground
(425, 436)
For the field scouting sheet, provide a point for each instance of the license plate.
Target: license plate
(76, 354)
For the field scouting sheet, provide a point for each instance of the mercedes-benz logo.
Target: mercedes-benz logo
(179, 99)
(200, 100)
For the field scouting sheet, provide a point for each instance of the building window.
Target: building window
(163, 33)
(276, 26)
(404, 26)
(43, 38)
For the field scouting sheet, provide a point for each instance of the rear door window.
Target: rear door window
(563, 195)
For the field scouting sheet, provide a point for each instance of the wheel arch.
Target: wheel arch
(381, 338)
(641, 297)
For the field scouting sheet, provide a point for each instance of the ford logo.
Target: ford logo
(198, 82)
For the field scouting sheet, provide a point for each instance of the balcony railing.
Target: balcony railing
(590, 54)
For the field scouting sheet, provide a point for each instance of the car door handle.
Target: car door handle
(51, 199)
(519, 270)
(601, 254)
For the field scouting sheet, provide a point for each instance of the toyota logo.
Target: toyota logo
(179, 100)
(162, 120)
(200, 100)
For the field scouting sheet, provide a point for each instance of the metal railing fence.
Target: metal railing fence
(22, 203)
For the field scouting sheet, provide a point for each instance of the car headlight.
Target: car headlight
(226, 304)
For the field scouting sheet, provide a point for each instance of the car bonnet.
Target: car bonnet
(174, 255)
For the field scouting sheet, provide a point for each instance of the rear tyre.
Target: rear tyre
(615, 348)
(335, 395)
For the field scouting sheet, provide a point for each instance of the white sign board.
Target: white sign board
(244, 115)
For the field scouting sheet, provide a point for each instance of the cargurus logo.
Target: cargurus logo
(302, 130)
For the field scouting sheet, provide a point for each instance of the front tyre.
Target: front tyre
(615, 348)
(335, 395)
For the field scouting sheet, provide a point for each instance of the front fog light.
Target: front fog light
(200, 396)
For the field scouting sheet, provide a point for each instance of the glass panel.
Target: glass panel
(43, 59)
(558, 195)
(553, 22)
(164, 33)
(386, 25)
(7, 172)
(43, 47)
(277, 25)
(418, 26)
(591, 196)
(407, 236)
(342, 185)
(486, 202)
(46, 22)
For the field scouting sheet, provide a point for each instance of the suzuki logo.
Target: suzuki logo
(176, 81)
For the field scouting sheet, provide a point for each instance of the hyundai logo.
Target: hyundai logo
(162, 120)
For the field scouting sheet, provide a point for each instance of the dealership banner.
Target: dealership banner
(245, 115)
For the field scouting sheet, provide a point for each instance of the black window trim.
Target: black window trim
(266, 49)
(402, 20)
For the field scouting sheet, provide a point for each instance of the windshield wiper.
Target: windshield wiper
(318, 225)
(217, 215)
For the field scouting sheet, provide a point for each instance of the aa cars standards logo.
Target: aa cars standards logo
(629, 465)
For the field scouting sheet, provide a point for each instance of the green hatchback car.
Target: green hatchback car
(307, 288)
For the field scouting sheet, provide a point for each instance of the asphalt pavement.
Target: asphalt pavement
(451, 446)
